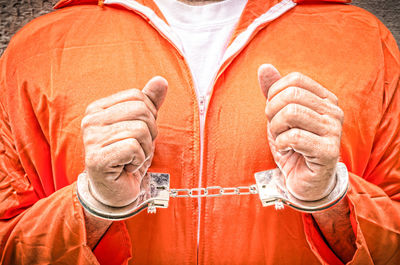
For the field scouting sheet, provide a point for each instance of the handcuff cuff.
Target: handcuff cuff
(270, 187)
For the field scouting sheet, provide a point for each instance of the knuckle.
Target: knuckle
(141, 104)
(295, 135)
(86, 121)
(327, 102)
(336, 151)
(335, 99)
(268, 112)
(138, 160)
(333, 149)
(296, 77)
(273, 127)
(291, 111)
(341, 115)
(294, 93)
(338, 130)
(132, 144)
(278, 142)
(91, 159)
(152, 149)
(331, 126)
(141, 130)
(121, 108)
(141, 109)
(327, 124)
(155, 132)
(137, 93)
(326, 119)
(91, 107)
(338, 114)
(88, 139)
(292, 107)
(123, 126)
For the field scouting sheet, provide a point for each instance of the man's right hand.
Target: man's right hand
(118, 136)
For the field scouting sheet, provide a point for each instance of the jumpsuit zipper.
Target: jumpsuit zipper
(202, 109)
(202, 101)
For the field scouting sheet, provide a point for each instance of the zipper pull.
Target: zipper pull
(202, 103)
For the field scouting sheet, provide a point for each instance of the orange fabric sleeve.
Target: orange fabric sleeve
(35, 229)
(374, 197)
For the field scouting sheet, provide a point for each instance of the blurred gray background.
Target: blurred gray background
(16, 13)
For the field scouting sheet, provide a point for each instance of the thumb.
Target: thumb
(267, 76)
(156, 90)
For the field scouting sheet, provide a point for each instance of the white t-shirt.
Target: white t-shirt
(204, 32)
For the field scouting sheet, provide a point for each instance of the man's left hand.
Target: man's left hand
(304, 131)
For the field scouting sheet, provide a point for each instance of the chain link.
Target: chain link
(212, 191)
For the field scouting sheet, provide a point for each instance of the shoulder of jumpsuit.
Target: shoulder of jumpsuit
(64, 3)
(357, 13)
(48, 31)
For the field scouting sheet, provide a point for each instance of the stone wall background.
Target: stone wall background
(16, 13)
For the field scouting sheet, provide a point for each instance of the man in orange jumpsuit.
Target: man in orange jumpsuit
(82, 95)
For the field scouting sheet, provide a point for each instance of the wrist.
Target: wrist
(154, 193)
(336, 227)
(95, 228)
(319, 188)
(109, 193)
(96, 207)
(273, 190)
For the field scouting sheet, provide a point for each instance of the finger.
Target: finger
(267, 76)
(112, 158)
(124, 130)
(123, 96)
(303, 81)
(298, 116)
(141, 171)
(314, 148)
(145, 182)
(118, 191)
(300, 96)
(124, 111)
(156, 90)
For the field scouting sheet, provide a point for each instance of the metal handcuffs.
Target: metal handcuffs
(269, 186)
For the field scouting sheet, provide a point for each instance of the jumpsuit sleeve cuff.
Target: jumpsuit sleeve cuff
(317, 242)
(115, 245)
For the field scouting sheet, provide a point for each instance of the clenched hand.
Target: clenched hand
(304, 131)
(118, 136)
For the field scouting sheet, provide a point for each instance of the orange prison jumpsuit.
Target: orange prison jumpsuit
(59, 63)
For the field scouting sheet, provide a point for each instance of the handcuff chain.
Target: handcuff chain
(212, 191)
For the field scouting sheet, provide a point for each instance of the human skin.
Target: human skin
(300, 111)
(304, 131)
(312, 117)
(118, 135)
